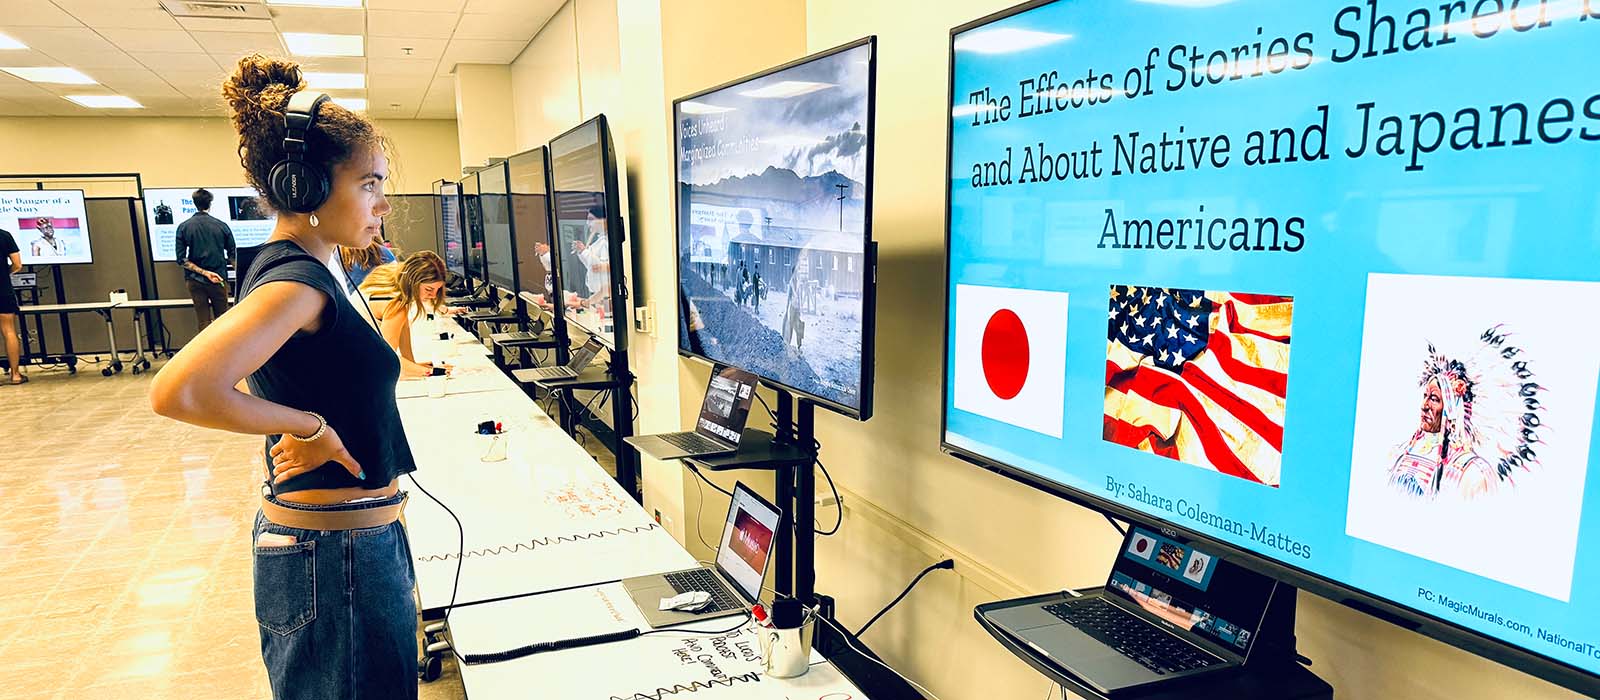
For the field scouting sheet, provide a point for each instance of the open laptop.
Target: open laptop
(579, 360)
(721, 423)
(536, 329)
(734, 582)
(1169, 610)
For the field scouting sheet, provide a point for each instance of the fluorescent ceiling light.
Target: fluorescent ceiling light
(354, 104)
(60, 75)
(336, 81)
(8, 43)
(318, 3)
(302, 44)
(702, 108)
(106, 101)
(1007, 40)
(787, 88)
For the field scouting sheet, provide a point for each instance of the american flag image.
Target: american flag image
(1200, 377)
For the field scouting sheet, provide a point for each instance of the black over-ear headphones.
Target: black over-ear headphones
(298, 185)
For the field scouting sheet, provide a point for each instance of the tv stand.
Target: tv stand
(1274, 672)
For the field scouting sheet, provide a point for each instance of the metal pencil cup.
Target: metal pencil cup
(787, 653)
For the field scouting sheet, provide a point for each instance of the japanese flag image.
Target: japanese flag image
(1011, 355)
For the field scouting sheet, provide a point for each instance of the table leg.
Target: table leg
(140, 363)
(111, 337)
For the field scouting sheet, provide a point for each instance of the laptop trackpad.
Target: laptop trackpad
(1091, 659)
(1023, 617)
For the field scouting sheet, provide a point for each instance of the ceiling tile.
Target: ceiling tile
(29, 58)
(162, 62)
(227, 47)
(36, 13)
(12, 86)
(410, 68)
(427, 25)
(157, 40)
(425, 5)
(197, 84)
(519, 27)
(128, 78)
(480, 51)
(504, 6)
(124, 17)
(319, 19)
(409, 95)
(391, 47)
(17, 109)
(210, 24)
(48, 39)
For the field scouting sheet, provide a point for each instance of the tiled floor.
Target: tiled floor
(124, 548)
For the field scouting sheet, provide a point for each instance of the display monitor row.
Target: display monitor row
(1309, 281)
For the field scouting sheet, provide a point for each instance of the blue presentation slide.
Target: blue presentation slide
(1315, 279)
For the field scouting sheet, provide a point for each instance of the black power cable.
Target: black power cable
(946, 564)
(816, 447)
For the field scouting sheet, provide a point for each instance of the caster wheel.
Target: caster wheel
(137, 370)
(72, 370)
(146, 363)
(429, 668)
(105, 372)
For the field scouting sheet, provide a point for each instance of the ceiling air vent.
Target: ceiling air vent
(217, 9)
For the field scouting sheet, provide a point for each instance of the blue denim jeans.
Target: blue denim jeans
(336, 611)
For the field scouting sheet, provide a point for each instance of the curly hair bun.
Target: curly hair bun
(258, 93)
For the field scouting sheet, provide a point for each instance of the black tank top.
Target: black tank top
(345, 371)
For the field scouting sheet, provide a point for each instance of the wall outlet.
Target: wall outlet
(644, 319)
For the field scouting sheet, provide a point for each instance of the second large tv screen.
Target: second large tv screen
(774, 265)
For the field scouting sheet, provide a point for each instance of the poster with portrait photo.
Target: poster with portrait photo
(1473, 415)
(51, 226)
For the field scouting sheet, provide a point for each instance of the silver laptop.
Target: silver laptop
(722, 417)
(1168, 611)
(579, 360)
(734, 582)
(534, 333)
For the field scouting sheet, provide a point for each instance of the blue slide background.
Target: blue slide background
(1524, 212)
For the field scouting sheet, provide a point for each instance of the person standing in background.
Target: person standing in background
(205, 249)
(8, 305)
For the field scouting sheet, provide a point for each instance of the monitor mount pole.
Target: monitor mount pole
(796, 492)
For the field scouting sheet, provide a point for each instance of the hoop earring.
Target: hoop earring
(314, 221)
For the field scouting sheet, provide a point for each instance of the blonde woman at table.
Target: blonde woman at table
(402, 293)
(333, 572)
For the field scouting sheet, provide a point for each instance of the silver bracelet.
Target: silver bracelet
(322, 427)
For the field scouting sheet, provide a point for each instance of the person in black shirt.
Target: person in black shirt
(205, 248)
(332, 570)
(10, 262)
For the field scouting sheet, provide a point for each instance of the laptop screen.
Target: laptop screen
(583, 355)
(727, 403)
(747, 541)
(1191, 589)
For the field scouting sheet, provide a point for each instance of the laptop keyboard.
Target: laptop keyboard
(521, 335)
(554, 372)
(694, 442)
(1136, 638)
(703, 580)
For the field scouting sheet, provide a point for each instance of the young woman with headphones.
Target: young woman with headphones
(333, 572)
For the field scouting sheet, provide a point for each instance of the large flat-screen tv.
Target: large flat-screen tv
(472, 226)
(51, 227)
(530, 209)
(774, 226)
(241, 208)
(589, 236)
(1308, 289)
(452, 244)
(499, 240)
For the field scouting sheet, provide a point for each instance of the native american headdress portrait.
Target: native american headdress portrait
(1490, 422)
